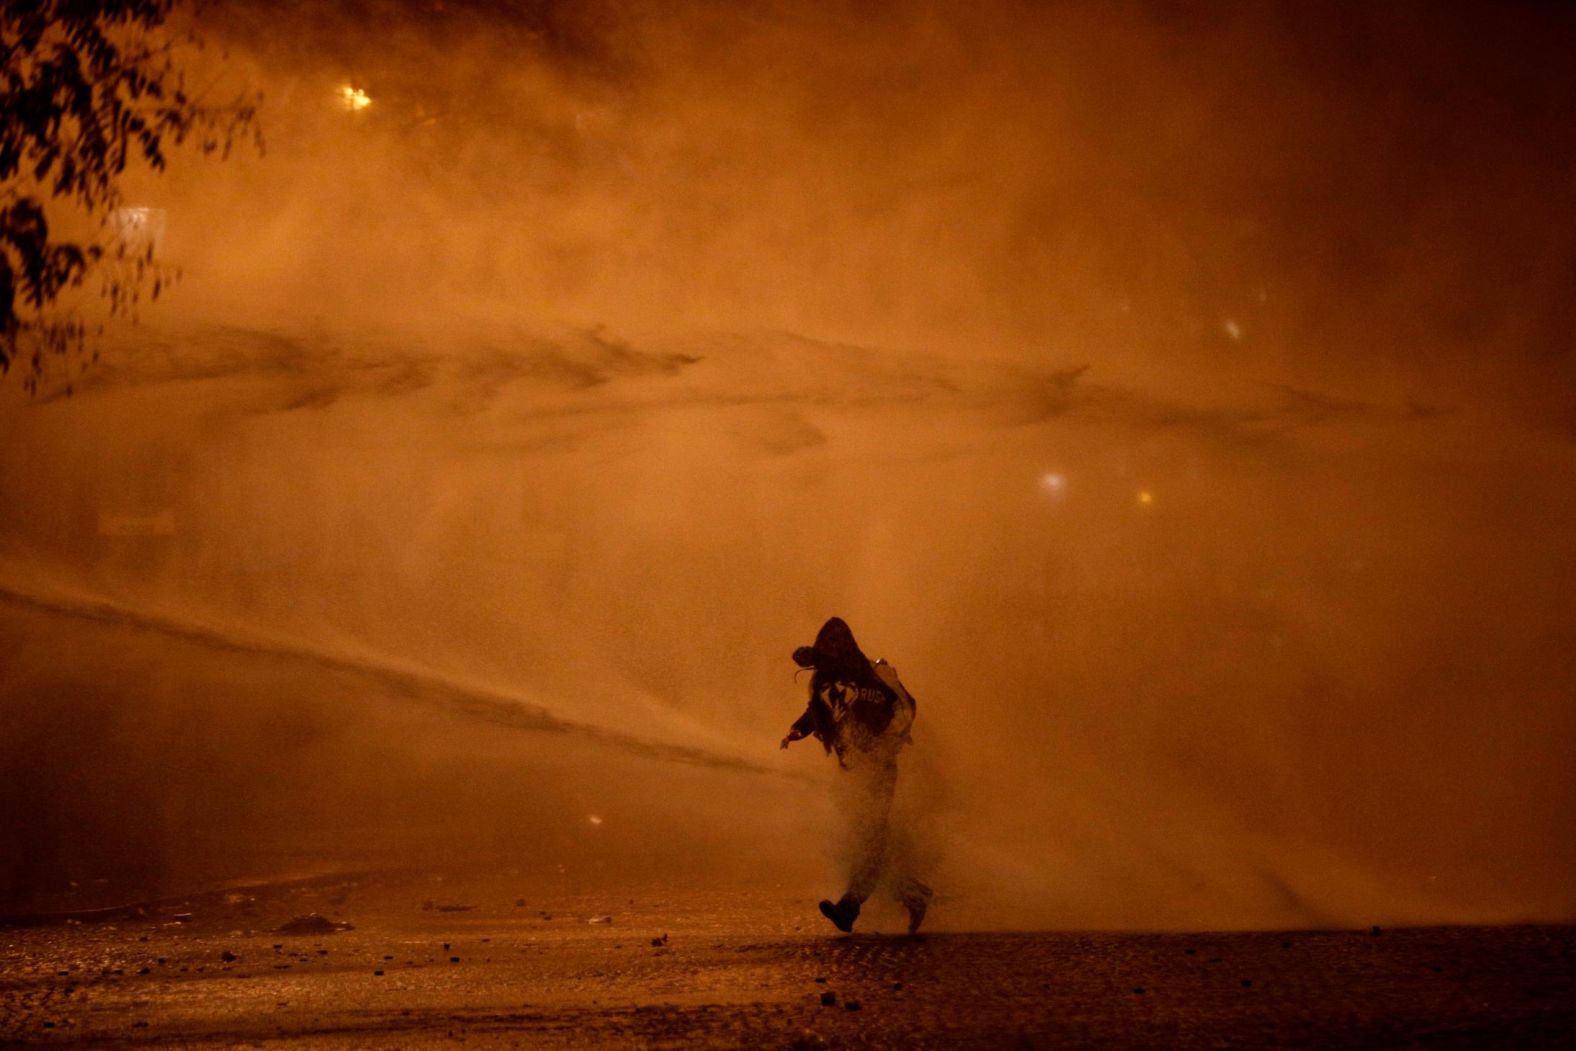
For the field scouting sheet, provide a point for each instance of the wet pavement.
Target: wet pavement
(431, 962)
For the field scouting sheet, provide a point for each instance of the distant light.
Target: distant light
(133, 218)
(1145, 498)
(354, 98)
(1231, 328)
(1054, 483)
(138, 228)
(594, 819)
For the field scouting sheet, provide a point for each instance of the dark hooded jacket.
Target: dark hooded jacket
(858, 707)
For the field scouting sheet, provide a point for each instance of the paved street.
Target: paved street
(432, 962)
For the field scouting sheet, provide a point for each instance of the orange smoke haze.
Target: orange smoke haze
(1180, 400)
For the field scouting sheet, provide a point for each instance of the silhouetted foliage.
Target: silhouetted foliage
(85, 87)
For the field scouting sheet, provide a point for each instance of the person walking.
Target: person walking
(860, 711)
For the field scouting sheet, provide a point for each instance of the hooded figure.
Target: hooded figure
(859, 710)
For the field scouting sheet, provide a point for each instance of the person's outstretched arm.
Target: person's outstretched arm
(803, 727)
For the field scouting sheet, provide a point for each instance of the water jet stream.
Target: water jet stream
(470, 700)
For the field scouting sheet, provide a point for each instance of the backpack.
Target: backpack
(903, 706)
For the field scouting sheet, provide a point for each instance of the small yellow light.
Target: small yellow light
(594, 819)
(354, 98)
(1145, 497)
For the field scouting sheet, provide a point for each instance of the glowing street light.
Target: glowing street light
(354, 98)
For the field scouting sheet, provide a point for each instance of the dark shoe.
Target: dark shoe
(843, 914)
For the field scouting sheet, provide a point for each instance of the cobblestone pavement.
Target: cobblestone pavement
(436, 963)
